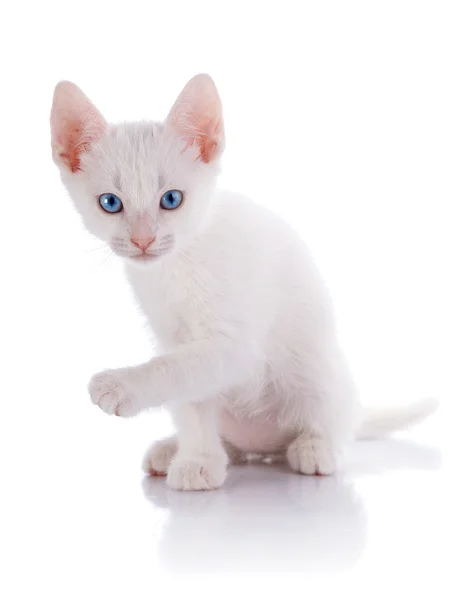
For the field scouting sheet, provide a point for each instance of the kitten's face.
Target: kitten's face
(143, 188)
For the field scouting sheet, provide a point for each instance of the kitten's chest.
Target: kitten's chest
(175, 303)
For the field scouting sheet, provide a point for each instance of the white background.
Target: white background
(337, 117)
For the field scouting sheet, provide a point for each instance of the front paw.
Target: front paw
(111, 391)
(205, 472)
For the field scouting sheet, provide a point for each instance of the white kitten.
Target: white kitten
(250, 361)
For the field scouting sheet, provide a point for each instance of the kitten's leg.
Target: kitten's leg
(159, 456)
(326, 415)
(201, 461)
(191, 373)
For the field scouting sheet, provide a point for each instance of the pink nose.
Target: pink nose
(142, 242)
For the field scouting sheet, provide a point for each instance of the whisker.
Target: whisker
(97, 248)
(106, 258)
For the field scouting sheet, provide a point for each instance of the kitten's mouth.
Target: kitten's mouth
(149, 256)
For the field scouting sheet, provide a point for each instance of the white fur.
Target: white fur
(249, 356)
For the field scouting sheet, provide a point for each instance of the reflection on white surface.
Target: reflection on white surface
(263, 519)
(267, 518)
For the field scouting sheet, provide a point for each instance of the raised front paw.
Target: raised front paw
(111, 391)
(206, 472)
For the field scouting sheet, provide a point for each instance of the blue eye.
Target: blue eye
(171, 199)
(111, 203)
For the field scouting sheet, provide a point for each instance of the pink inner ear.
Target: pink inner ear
(73, 141)
(208, 141)
(197, 117)
(76, 124)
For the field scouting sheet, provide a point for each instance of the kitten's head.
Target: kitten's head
(144, 188)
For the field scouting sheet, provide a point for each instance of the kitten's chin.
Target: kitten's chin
(144, 261)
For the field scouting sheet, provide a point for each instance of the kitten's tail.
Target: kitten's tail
(377, 423)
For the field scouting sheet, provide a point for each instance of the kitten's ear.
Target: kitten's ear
(196, 117)
(75, 125)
